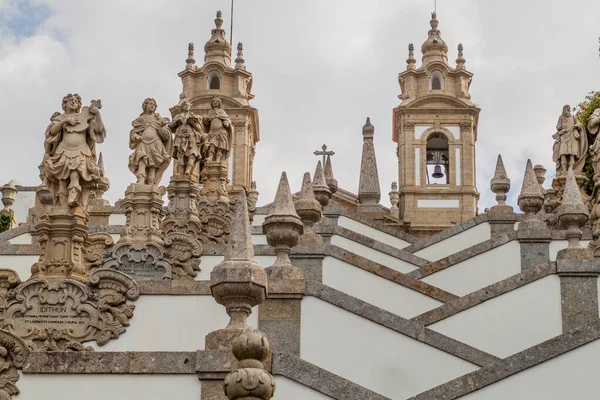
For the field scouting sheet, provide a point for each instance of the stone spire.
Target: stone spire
(190, 61)
(217, 49)
(309, 210)
(239, 60)
(434, 48)
(530, 201)
(320, 187)
(283, 228)
(460, 60)
(572, 214)
(237, 283)
(500, 182)
(369, 192)
(410, 61)
(250, 381)
(331, 181)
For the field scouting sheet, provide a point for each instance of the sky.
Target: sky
(320, 68)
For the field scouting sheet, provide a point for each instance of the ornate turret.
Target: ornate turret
(217, 48)
(434, 48)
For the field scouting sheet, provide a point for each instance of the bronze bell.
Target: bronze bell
(437, 172)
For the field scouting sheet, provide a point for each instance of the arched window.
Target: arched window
(437, 162)
(214, 80)
(436, 82)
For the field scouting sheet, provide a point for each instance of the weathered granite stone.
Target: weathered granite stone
(369, 192)
(501, 216)
(320, 187)
(332, 183)
(309, 210)
(13, 354)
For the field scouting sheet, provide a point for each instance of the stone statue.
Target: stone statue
(570, 145)
(594, 127)
(219, 128)
(189, 139)
(151, 142)
(69, 164)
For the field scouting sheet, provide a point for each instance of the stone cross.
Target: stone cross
(323, 152)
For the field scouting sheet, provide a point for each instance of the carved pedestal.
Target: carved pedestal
(143, 209)
(214, 179)
(182, 213)
(61, 306)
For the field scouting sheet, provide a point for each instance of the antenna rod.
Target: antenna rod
(231, 25)
(434, 6)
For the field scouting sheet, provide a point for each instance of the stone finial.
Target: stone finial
(460, 60)
(217, 48)
(332, 183)
(238, 283)
(531, 198)
(540, 173)
(572, 213)
(394, 200)
(239, 60)
(190, 61)
(250, 381)
(283, 228)
(309, 210)
(434, 48)
(320, 187)
(9, 194)
(369, 192)
(500, 182)
(252, 198)
(410, 61)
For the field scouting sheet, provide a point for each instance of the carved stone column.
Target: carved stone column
(279, 315)
(182, 213)
(214, 179)
(143, 209)
(533, 234)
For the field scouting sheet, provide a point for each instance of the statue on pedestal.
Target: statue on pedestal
(219, 130)
(189, 139)
(570, 145)
(151, 142)
(69, 164)
(594, 127)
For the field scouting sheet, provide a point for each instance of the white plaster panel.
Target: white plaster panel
(290, 390)
(389, 363)
(437, 203)
(172, 323)
(457, 166)
(454, 244)
(25, 238)
(117, 219)
(509, 323)
(573, 375)
(557, 245)
(373, 233)
(480, 271)
(259, 239)
(21, 264)
(372, 254)
(455, 129)
(113, 387)
(373, 289)
(23, 202)
(419, 129)
(417, 166)
(258, 220)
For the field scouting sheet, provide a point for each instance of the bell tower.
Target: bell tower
(232, 84)
(435, 127)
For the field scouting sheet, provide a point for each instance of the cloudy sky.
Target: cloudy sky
(320, 68)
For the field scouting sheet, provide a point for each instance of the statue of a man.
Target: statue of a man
(151, 142)
(570, 145)
(219, 129)
(594, 127)
(69, 164)
(189, 139)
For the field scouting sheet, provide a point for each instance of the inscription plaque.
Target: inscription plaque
(141, 262)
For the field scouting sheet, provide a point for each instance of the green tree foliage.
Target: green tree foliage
(5, 222)
(583, 111)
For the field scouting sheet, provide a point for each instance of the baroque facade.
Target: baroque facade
(324, 293)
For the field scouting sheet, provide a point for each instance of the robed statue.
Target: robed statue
(594, 127)
(218, 125)
(570, 143)
(189, 139)
(70, 169)
(151, 142)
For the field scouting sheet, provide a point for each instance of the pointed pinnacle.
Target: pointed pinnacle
(307, 188)
(531, 187)
(328, 169)
(500, 172)
(284, 203)
(368, 129)
(240, 246)
(571, 195)
(319, 179)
